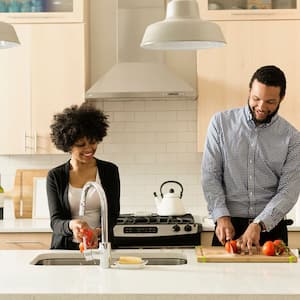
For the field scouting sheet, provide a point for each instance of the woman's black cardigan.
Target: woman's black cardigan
(60, 213)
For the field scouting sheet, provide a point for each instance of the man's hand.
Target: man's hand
(224, 230)
(249, 239)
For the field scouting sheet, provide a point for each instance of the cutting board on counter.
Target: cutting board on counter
(23, 192)
(219, 255)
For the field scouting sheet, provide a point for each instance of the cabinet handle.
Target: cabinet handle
(250, 13)
(35, 142)
(25, 141)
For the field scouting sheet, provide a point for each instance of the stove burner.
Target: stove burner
(155, 219)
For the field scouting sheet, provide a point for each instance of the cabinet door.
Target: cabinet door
(40, 11)
(58, 76)
(249, 9)
(224, 73)
(15, 94)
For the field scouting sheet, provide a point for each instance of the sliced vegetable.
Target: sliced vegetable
(231, 246)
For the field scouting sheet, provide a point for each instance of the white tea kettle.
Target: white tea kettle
(170, 203)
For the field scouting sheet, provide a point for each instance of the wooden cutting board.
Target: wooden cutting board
(22, 193)
(219, 254)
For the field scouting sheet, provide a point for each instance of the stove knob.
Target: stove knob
(188, 227)
(176, 228)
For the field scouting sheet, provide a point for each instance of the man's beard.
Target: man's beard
(265, 120)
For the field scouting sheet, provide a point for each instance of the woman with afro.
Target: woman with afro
(78, 130)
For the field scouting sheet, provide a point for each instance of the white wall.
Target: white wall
(150, 141)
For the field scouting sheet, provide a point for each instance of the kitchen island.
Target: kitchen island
(21, 280)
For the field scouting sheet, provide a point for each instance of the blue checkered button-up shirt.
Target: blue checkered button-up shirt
(251, 171)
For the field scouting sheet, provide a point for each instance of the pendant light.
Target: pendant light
(8, 36)
(182, 30)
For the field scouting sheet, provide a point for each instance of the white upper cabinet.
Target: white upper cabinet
(15, 87)
(42, 11)
(249, 9)
(44, 74)
(58, 77)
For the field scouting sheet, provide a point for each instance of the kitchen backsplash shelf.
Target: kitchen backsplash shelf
(249, 9)
(40, 11)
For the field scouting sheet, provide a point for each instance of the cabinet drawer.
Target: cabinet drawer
(25, 241)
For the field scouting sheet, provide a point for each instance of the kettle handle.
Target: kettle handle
(171, 181)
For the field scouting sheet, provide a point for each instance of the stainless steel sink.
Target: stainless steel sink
(76, 258)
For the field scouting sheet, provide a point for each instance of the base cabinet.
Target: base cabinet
(25, 241)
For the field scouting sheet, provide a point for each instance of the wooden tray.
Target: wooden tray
(22, 193)
(219, 254)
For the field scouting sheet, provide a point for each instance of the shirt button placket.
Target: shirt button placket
(250, 175)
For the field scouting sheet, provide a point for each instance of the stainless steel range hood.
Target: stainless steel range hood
(140, 80)
(140, 73)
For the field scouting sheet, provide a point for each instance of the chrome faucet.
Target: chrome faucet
(104, 245)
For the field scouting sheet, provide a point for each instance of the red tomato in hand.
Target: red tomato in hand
(230, 246)
(268, 248)
(88, 234)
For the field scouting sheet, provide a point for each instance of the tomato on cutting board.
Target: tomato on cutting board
(268, 248)
(231, 246)
(280, 247)
(277, 247)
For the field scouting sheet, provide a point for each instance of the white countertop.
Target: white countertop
(25, 225)
(191, 281)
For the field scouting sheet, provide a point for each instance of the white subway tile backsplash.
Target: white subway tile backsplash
(181, 147)
(169, 105)
(150, 141)
(186, 137)
(144, 116)
(112, 106)
(190, 157)
(166, 116)
(124, 116)
(147, 158)
(134, 106)
(166, 157)
(187, 115)
(165, 137)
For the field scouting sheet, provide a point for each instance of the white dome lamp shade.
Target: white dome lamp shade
(8, 36)
(182, 30)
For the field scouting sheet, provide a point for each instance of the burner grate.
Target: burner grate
(155, 219)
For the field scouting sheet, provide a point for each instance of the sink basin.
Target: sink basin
(76, 258)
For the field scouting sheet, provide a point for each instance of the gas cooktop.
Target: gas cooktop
(156, 231)
(155, 219)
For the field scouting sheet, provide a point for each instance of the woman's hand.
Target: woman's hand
(81, 229)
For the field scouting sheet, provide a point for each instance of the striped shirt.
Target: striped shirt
(250, 171)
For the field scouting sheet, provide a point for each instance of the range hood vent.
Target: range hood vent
(140, 80)
(136, 72)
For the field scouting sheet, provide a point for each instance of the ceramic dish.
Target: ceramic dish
(142, 265)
